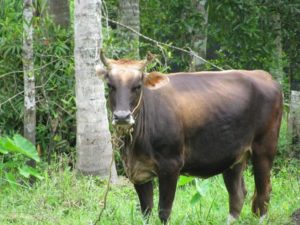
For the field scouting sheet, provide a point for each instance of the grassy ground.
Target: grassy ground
(64, 198)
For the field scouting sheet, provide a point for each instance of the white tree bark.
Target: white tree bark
(29, 81)
(199, 40)
(294, 123)
(93, 139)
(129, 13)
(277, 65)
(60, 10)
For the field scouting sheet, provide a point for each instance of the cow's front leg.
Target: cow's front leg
(167, 189)
(145, 193)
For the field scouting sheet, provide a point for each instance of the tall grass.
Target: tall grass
(64, 198)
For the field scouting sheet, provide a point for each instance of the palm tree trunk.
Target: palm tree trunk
(277, 65)
(93, 139)
(60, 10)
(199, 40)
(129, 12)
(294, 124)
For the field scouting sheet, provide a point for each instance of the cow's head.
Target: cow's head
(125, 80)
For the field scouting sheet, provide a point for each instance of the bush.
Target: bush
(14, 152)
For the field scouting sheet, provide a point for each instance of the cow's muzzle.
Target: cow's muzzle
(122, 118)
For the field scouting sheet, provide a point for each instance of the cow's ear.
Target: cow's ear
(155, 80)
(100, 71)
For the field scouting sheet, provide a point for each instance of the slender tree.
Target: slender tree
(199, 40)
(129, 13)
(277, 65)
(60, 10)
(294, 123)
(29, 80)
(93, 139)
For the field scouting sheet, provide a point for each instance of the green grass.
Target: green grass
(64, 198)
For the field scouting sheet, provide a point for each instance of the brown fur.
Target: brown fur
(155, 80)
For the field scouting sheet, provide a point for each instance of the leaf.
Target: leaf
(10, 177)
(26, 171)
(3, 150)
(9, 165)
(22, 145)
(202, 186)
(196, 198)
(183, 180)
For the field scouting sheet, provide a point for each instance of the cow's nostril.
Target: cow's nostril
(121, 115)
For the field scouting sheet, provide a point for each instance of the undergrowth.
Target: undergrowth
(66, 198)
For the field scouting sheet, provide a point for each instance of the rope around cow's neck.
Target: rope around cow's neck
(131, 129)
(139, 102)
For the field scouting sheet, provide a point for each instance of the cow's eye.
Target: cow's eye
(111, 87)
(136, 88)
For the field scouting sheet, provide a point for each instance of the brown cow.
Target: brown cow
(200, 124)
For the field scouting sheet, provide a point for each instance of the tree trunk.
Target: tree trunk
(60, 10)
(129, 13)
(294, 124)
(93, 139)
(199, 40)
(29, 81)
(277, 67)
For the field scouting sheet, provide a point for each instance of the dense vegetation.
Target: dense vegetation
(250, 46)
(240, 34)
(63, 198)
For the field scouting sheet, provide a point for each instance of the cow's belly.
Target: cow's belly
(205, 167)
(210, 152)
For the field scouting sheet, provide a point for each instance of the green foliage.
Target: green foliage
(117, 45)
(239, 30)
(242, 34)
(54, 75)
(56, 107)
(10, 65)
(66, 198)
(183, 180)
(172, 22)
(13, 153)
(18, 145)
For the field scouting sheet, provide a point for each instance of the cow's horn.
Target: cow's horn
(104, 60)
(149, 58)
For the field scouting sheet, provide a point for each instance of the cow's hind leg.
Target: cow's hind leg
(264, 149)
(262, 163)
(145, 193)
(234, 182)
(263, 152)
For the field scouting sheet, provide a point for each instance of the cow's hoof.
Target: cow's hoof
(262, 219)
(296, 216)
(230, 219)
